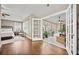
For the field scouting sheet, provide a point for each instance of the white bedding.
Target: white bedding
(6, 32)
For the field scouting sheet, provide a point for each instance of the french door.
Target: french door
(71, 29)
(0, 25)
(36, 29)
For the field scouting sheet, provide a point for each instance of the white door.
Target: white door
(71, 28)
(36, 29)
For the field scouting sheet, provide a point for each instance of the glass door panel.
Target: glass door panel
(36, 28)
(71, 29)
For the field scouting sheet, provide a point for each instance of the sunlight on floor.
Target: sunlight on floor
(52, 40)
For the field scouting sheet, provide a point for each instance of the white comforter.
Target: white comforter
(6, 32)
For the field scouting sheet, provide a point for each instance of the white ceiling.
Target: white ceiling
(20, 11)
(56, 18)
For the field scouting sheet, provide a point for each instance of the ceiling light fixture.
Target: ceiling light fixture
(48, 5)
(59, 20)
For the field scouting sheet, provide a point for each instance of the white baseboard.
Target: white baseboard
(29, 37)
(36, 39)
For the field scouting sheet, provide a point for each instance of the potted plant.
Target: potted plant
(45, 34)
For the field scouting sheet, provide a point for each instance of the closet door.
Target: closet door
(71, 28)
(36, 29)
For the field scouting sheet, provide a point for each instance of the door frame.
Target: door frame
(41, 38)
(74, 31)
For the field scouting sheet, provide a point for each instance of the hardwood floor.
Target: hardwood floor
(27, 47)
(21, 47)
(43, 48)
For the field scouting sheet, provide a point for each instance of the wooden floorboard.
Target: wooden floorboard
(21, 47)
(27, 47)
(44, 48)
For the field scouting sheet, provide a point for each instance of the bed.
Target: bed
(6, 33)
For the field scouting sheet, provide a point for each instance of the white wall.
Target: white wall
(7, 23)
(30, 27)
(15, 25)
(50, 27)
(27, 27)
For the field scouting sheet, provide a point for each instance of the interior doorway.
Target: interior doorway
(54, 29)
(71, 29)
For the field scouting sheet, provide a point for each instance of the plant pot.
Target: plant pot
(46, 36)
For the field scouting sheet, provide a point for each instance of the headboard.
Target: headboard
(7, 27)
